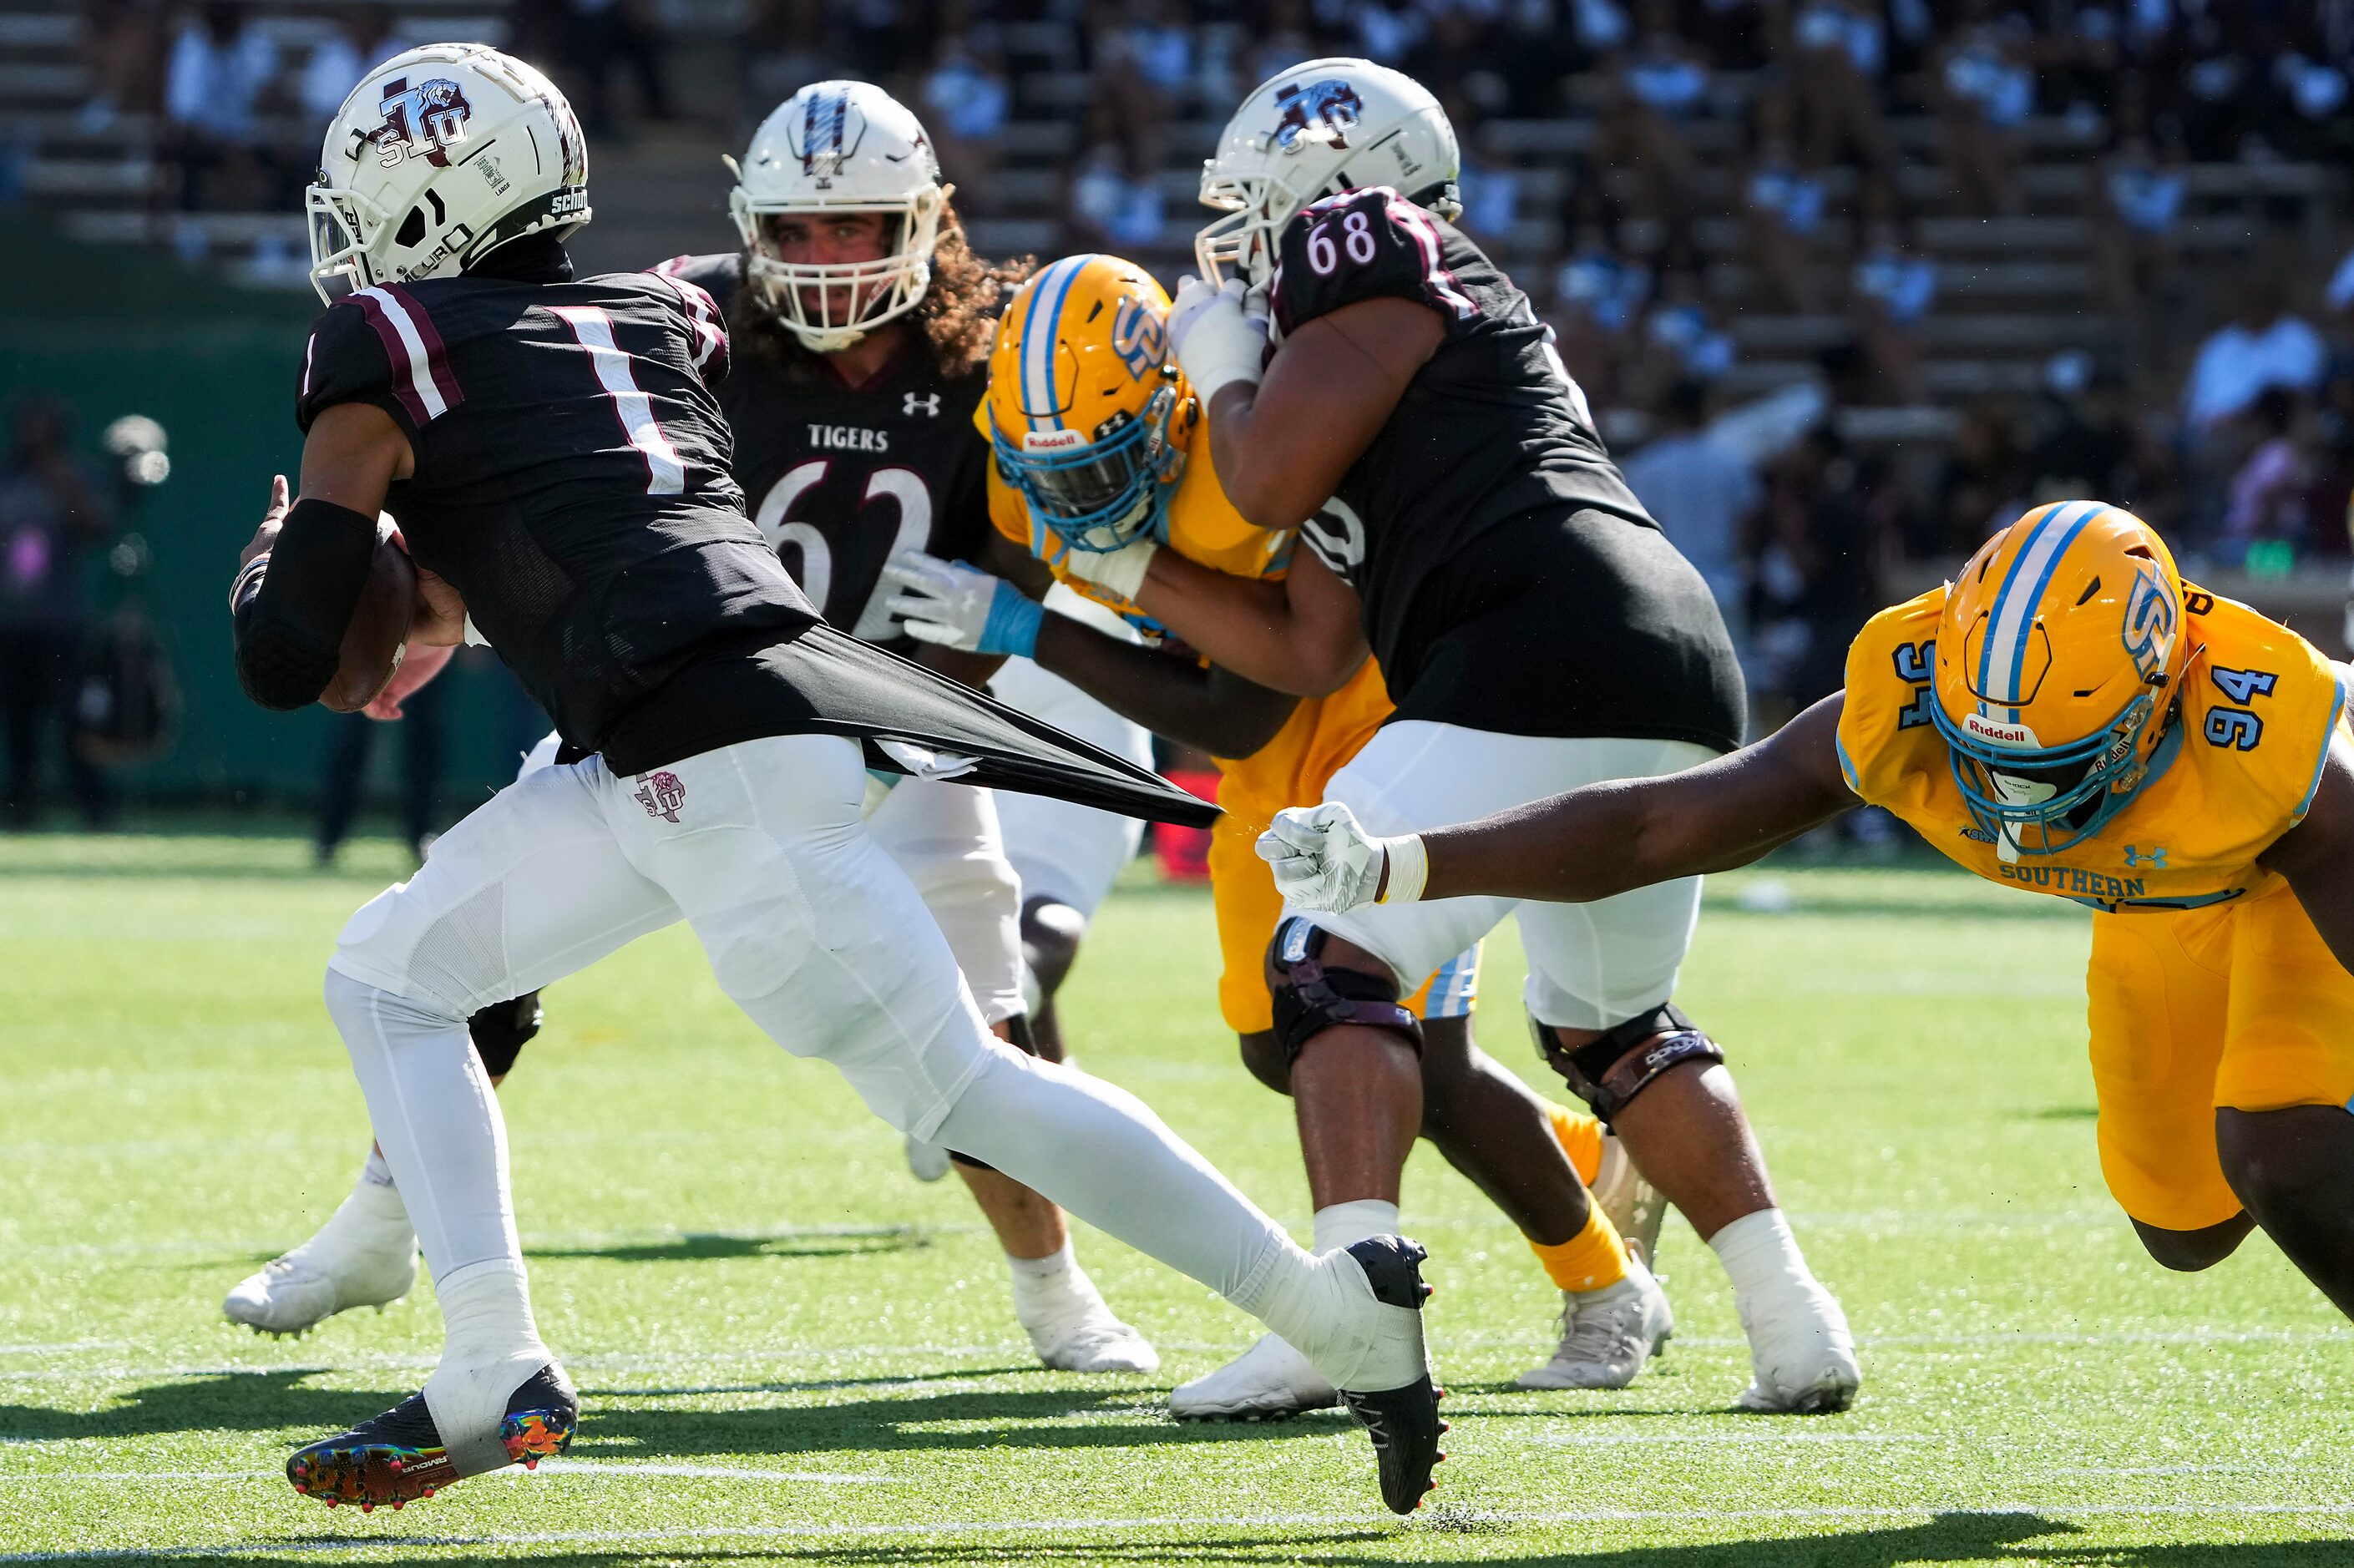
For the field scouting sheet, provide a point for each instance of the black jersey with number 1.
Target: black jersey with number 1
(1510, 580)
(842, 477)
(572, 481)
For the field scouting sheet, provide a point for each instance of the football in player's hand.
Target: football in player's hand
(378, 631)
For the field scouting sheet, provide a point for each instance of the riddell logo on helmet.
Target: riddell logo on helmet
(1051, 440)
(1998, 732)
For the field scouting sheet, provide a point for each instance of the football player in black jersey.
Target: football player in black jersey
(560, 471)
(858, 320)
(1536, 628)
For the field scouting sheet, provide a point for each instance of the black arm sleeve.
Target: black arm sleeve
(290, 624)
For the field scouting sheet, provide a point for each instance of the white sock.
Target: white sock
(1046, 1287)
(491, 1346)
(373, 1219)
(437, 1122)
(1761, 1255)
(1345, 1224)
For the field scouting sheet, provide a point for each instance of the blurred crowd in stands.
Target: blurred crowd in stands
(1602, 138)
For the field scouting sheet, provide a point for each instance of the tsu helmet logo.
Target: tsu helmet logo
(2151, 617)
(661, 794)
(1321, 111)
(1139, 338)
(421, 121)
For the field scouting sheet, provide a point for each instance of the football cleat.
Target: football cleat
(1631, 1204)
(400, 1456)
(366, 1256)
(1607, 1335)
(1269, 1381)
(1403, 1421)
(1801, 1352)
(925, 1162)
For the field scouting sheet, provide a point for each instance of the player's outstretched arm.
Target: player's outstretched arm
(2317, 855)
(1587, 844)
(1207, 707)
(1303, 634)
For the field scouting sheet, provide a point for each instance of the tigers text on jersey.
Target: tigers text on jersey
(1510, 580)
(1202, 525)
(572, 473)
(842, 477)
(2237, 768)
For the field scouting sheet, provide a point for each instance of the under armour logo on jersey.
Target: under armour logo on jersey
(929, 403)
(661, 794)
(2155, 858)
(421, 121)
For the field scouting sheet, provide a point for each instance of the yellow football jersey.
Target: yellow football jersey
(2237, 768)
(1203, 527)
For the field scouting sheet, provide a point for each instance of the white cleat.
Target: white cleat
(1802, 1354)
(1631, 1204)
(925, 1162)
(1269, 1381)
(365, 1255)
(301, 1290)
(1607, 1335)
(1094, 1342)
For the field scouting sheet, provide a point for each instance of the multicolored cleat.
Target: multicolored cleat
(400, 1457)
(1403, 1422)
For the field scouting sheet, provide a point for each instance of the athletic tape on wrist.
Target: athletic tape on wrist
(1122, 570)
(1011, 628)
(1409, 868)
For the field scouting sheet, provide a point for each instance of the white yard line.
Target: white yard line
(1190, 1522)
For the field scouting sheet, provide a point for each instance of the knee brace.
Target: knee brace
(1309, 998)
(1624, 1061)
(501, 1031)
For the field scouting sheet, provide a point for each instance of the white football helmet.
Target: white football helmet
(1320, 127)
(837, 147)
(442, 154)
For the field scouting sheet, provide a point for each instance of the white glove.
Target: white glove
(1218, 341)
(1122, 570)
(962, 607)
(1323, 860)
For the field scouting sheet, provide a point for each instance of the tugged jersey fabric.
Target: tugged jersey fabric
(839, 478)
(572, 482)
(1202, 525)
(2237, 768)
(1509, 578)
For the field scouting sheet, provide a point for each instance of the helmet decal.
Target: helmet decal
(1139, 338)
(2003, 656)
(2152, 618)
(1322, 113)
(1041, 398)
(831, 130)
(421, 121)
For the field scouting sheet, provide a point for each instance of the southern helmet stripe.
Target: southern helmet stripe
(1038, 337)
(2003, 660)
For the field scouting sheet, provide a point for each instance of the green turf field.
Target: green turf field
(792, 1353)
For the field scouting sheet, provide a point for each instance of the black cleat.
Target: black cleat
(1403, 1422)
(400, 1455)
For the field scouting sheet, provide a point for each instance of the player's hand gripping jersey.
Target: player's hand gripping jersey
(2235, 769)
(1510, 580)
(842, 477)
